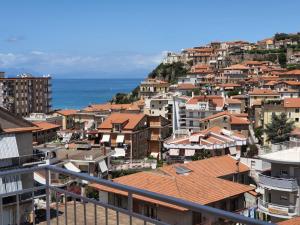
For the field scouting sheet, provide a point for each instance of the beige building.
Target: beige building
(151, 87)
(259, 95)
(67, 115)
(289, 106)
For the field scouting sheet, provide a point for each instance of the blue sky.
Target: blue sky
(126, 38)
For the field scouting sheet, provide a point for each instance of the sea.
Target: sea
(79, 93)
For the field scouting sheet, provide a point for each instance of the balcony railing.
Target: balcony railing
(275, 183)
(282, 211)
(76, 208)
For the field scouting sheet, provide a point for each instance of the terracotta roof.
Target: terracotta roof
(292, 82)
(20, 129)
(186, 86)
(293, 72)
(271, 83)
(67, 112)
(237, 67)
(131, 120)
(291, 102)
(233, 118)
(46, 125)
(218, 101)
(252, 62)
(228, 85)
(196, 186)
(293, 221)
(232, 101)
(257, 91)
(116, 107)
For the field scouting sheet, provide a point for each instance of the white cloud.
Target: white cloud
(44, 62)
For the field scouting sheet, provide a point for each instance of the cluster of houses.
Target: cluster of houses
(192, 140)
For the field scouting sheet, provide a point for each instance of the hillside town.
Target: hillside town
(216, 125)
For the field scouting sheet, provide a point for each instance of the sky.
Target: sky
(126, 38)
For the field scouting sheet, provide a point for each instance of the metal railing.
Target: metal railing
(276, 209)
(278, 183)
(79, 209)
(293, 143)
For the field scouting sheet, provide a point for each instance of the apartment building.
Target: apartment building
(258, 95)
(152, 87)
(160, 105)
(160, 129)
(26, 94)
(236, 73)
(67, 117)
(280, 185)
(290, 75)
(227, 120)
(289, 106)
(214, 141)
(127, 134)
(206, 182)
(199, 107)
(15, 151)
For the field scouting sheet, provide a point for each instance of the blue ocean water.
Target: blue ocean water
(79, 93)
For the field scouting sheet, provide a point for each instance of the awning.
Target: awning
(154, 154)
(10, 183)
(8, 146)
(189, 152)
(120, 138)
(70, 166)
(105, 138)
(103, 166)
(232, 150)
(119, 152)
(174, 152)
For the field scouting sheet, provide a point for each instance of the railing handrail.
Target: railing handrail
(218, 213)
(277, 178)
(277, 205)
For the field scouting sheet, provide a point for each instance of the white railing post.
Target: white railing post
(48, 196)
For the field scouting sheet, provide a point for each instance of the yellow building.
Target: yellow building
(259, 95)
(151, 87)
(289, 106)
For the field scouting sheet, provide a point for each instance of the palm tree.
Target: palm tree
(279, 129)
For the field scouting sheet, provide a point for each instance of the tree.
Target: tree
(279, 129)
(282, 59)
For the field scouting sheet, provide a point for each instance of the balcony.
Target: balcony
(276, 210)
(275, 183)
(69, 206)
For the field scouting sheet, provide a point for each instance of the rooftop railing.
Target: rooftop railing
(293, 143)
(68, 206)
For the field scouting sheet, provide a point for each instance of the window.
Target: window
(297, 119)
(284, 173)
(191, 123)
(296, 110)
(283, 197)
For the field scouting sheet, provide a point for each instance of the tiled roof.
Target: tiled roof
(186, 86)
(46, 125)
(291, 102)
(116, 107)
(196, 186)
(234, 119)
(257, 91)
(237, 67)
(232, 101)
(131, 120)
(215, 99)
(293, 72)
(293, 221)
(67, 112)
(20, 129)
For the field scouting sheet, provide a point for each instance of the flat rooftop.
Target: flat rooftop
(288, 156)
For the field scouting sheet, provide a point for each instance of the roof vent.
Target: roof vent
(182, 170)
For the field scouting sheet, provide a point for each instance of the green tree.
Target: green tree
(282, 59)
(279, 129)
